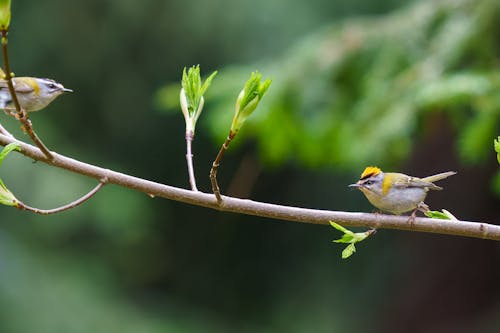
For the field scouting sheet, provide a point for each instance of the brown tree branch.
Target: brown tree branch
(215, 167)
(249, 207)
(77, 202)
(4, 131)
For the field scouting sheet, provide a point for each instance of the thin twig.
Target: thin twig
(5, 132)
(249, 207)
(215, 166)
(22, 115)
(189, 159)
(73, 204)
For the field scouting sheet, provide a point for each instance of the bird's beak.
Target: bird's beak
(67, 90)
(355, 185)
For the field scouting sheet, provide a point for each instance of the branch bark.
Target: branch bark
(249, 207)
(71, 205)
(189, 160)
(215, 167)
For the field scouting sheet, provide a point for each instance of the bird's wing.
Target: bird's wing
(416, 182)
(22, 87)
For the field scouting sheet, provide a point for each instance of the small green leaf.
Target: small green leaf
(449, 215)
(443, 215)
(6, 197)
(4, 14)
(7, 149)
(434, 214)
(348, 251)
(346, 238)
(340, 228)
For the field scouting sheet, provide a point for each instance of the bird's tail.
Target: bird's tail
(439, 176)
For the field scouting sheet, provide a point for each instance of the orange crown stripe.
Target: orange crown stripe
(370, 171)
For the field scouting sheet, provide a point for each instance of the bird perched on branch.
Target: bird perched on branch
(33, 93)
(397, 193)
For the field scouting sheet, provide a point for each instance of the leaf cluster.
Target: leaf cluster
(191, 95)
(350, 238)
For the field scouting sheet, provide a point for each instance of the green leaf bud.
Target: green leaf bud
(191, 95)
(4, 14)
(248, 99)
(6, 197)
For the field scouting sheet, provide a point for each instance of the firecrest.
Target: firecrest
(33, 93)
(397, 193)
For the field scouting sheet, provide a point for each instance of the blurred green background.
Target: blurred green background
(408, 86)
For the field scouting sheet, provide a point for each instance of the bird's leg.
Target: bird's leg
(420, 207)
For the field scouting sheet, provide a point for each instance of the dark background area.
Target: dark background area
(348, 91)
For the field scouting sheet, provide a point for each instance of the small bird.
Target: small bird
(397, 193)
(33, 93)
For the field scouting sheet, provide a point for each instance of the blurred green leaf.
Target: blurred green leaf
(7, 149)
(475, 139)
(453, 89)
(369, 84)
(4, 14)
(497, 148)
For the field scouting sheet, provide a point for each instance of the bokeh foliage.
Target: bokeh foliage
(357, 91)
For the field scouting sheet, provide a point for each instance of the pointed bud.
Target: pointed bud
(4, 14)
(6, 197)
(248, 99)
(7, 149)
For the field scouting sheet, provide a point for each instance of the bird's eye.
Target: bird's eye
(369, 182)
(51, 86)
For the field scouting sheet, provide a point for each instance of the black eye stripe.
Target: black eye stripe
(367, 176)
(51, 84)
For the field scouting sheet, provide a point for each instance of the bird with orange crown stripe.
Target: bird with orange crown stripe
(397, 193)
